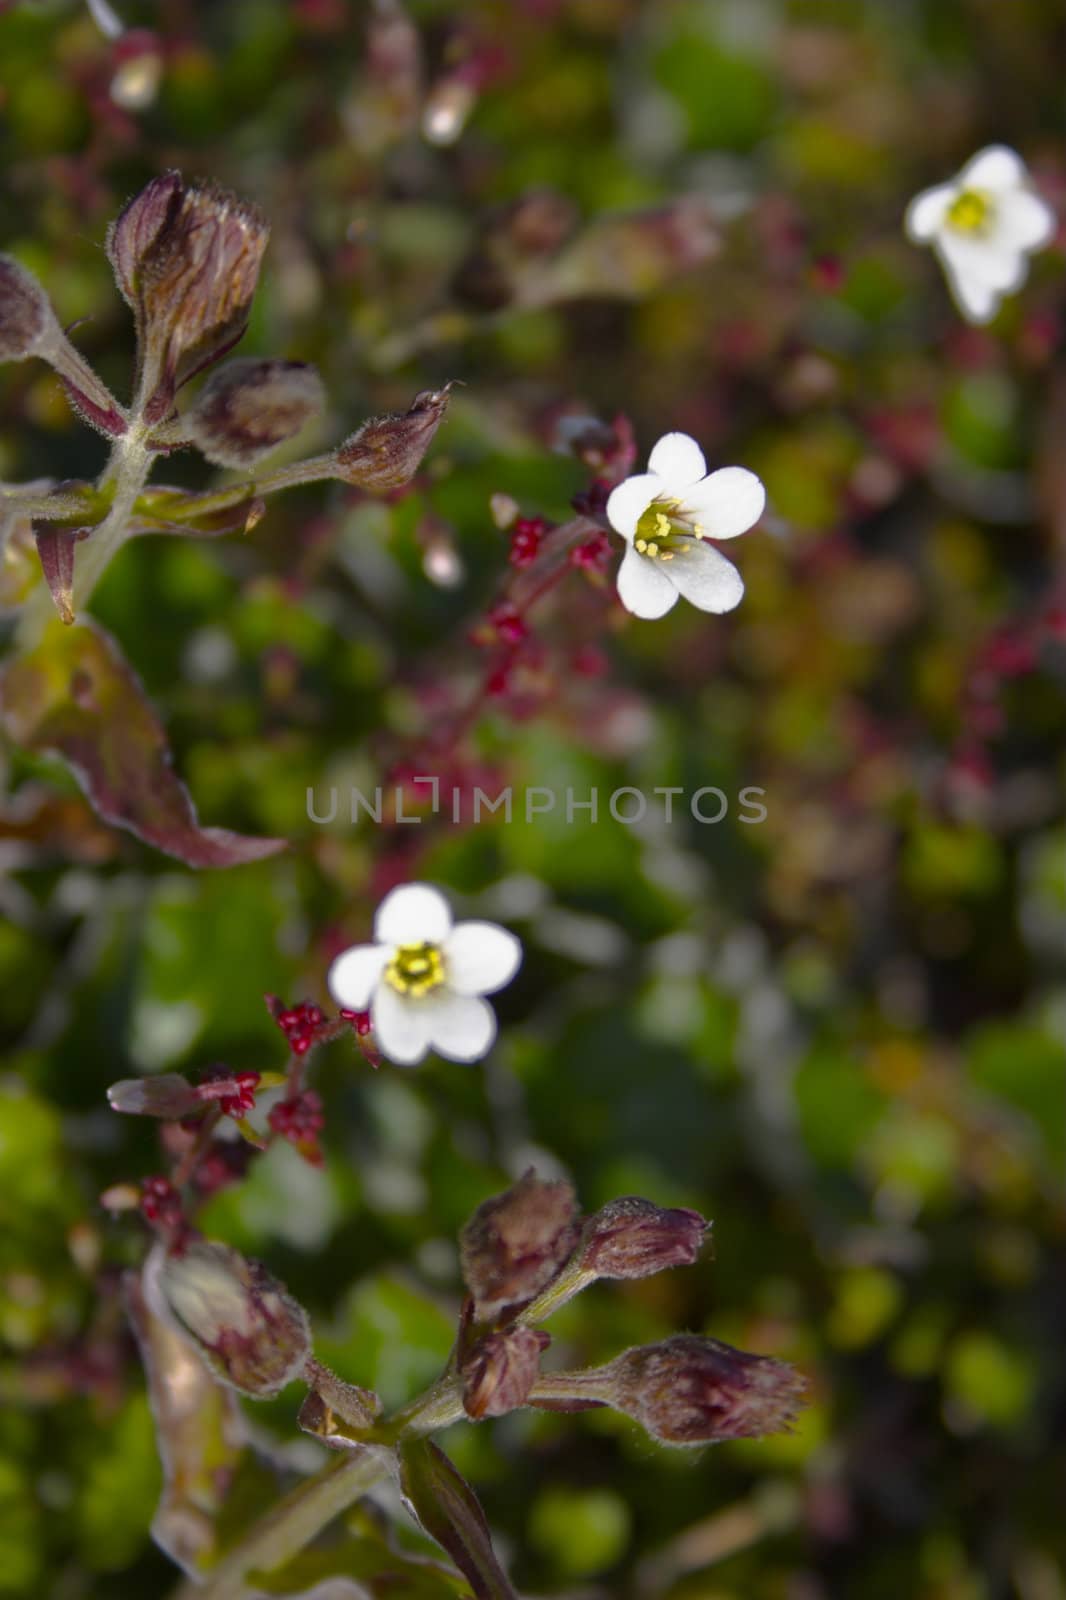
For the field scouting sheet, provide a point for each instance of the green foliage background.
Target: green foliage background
(839, 1034)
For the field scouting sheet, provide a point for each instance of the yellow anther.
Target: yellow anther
(415, 969)
(970, 211)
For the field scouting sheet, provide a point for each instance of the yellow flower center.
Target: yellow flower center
(415, 969)
(662, 533)
(970, 212)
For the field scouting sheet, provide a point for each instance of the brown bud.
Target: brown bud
(169, 1096)
(516, 1243)
(691, 1390)
(632, 1238)
(500, 1371)
(386, 452)
(248, 407)
(249, 1331)
(188, 261)
(27, 321)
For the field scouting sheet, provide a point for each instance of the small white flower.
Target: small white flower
(667, 514)
(983, 226)
(423, 978)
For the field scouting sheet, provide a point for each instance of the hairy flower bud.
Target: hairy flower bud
(249, 1331)
(516, 1243)
(501, 1370)
(386, 452)
(632, 1238)
(187, 259)
(249, 407)
(691, 1390)
(137, 226)
(26, 317)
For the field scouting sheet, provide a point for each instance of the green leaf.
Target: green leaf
(450, 1512)
(72, 694)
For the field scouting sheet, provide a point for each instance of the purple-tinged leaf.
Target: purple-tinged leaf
(55, 546)
(163, 510)
(73, 695)
(449, 1511)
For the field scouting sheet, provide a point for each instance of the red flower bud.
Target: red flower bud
(632, 1238)
(516, 1243)
(247, 408)
(501, 1370)
(691, 1390)
(386, 452)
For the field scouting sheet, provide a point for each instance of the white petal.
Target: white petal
(354, 975)
(706, 579)
(981, 263)
(925, 214)
(1026, 220)
(643, 587)
(461, 1027)
(678, 460)
(480, 957)
(412, 914)
(629, 500)
(401, 1025)
(727, 503)
(996, 168)
(977, 301)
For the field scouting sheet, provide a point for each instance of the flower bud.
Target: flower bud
(691, 1390)
(248, 407)
(501, 1370)
(187, 259)
(136, 228)
(169, 1096)
(27, 320)
(386, 452)
(632, 1238)
(516, 1243)
(249, 1331)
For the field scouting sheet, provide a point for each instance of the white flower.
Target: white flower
(423, 978)
(983, 226)
(667, 514)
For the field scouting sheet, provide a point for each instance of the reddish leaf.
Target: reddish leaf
(74, 695)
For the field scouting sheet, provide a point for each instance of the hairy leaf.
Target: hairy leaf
(73, 694)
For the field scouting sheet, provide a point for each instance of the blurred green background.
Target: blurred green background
(838, 1033)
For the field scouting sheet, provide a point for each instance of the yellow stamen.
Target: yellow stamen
(970, 212)
(415, 969)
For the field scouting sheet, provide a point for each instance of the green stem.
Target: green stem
(291, 1525)
(438, 1408)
